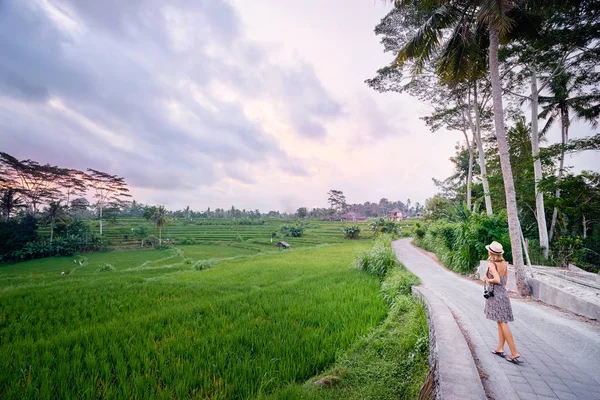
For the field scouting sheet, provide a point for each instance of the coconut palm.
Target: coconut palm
(9, 201)
(563, 102)
(159, 216)
(451, 35)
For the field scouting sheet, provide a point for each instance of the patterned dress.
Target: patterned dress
(497, 308)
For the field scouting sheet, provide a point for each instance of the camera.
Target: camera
(488, 293)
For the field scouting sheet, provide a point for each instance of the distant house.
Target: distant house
(349, 216)
(352, 217)
(396, 215)
(283, 245)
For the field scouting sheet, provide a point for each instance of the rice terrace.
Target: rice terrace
(154, 324)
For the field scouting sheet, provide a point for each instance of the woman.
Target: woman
(497, 306)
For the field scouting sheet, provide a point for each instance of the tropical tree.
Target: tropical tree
(9, 201)
(337, 200)
(302, 212)
(54, 213)
(563, 102)
(158, 215)
(450, 33)
(110, 190)
(141, 233)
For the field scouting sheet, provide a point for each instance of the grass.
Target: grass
(390, 362)
(151, 326)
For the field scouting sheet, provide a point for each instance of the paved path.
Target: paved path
(561, 354)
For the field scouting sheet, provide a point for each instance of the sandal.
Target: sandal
(515, 360)
(499, 353)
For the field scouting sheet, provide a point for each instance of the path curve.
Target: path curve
(561, 354)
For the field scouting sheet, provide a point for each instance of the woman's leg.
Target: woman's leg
(509, 339)
(501, 340)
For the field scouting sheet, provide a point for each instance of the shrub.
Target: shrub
(460, 244)
(380, 259)
(380, 225)
(152, 240)
(419, 231)
(292, 230)
(204, 264)
(106, 268)
(351, 232)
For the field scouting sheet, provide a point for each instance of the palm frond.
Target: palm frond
(494, 14)
(422, 45)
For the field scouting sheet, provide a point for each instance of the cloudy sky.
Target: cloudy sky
(212, 103)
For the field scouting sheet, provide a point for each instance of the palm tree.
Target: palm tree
(159, 216)
(562, 102)
(464, 20)
(9, 202)
(55, 212)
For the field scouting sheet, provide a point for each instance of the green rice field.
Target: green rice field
(145, 324)
(222, 230)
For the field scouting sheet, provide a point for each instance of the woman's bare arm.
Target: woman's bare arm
(492, 269)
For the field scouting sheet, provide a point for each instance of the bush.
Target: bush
(292, 230)
(201, 265)
(380, 259)
(351, 232)
(106, 268)
(419, 231)
(460, 244)
(380, 225)
(152, 240)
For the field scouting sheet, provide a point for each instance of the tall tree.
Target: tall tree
(337, 200)
(37, 184)
(564, 102)
(464, 20)
(9, 202)
(158, 215)
(109, 190)
(55, 212)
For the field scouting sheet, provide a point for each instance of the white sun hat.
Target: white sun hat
(495, 248)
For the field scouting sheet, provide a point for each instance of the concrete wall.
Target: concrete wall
(555, 296)
(455, 374)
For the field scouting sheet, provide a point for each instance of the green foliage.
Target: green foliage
(419, 231)
(381, 225)
(437, 207)
(460, 244)
(152, 240)
(106, 268)
(567, 250)
(379, 259)
(201, 265)
(296, 230)
(351, 232)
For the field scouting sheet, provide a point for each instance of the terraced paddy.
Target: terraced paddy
(227, 231)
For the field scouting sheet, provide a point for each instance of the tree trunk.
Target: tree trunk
(514, 227)
(159, 236)
(100, 220)
(470, 173)
(584, 227)
(51, 231)
(564, 119)
(537, 168)
(484, 180)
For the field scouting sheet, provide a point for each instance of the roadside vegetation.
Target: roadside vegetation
(391, 360)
